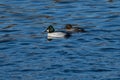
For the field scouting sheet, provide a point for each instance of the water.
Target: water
(26, 54)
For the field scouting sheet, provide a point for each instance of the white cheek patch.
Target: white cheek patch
(47, 30)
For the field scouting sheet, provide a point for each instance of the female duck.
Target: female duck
(53, 34)
(69, 28)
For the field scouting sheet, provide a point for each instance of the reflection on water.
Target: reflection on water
(26, 54)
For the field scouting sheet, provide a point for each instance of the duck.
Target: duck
(69, 28)
(52, 34)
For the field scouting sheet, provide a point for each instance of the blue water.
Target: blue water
(26, 54)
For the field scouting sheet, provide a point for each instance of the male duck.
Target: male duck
(53, 34)
(69, 28)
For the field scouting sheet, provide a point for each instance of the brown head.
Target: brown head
(68, 26)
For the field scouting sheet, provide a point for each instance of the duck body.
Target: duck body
(69, 28)
(55, 34)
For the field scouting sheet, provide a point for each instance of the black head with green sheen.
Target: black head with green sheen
(50, 29)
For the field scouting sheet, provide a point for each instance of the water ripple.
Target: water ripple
(81, 71)
(3, 40)
(26, 54)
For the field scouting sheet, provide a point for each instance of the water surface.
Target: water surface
(26, 54)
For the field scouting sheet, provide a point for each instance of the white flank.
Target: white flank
(56, 35)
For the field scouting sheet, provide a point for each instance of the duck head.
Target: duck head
(68, 26)
(50, 29)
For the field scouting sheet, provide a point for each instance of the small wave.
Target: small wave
(3, 30)
(6, 40)
(54, 67)
(9, 26)
(29, 70)
(7, 64)
(109, 49)
(80, 71)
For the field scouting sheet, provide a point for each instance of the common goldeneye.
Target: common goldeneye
(69, 28)
(51, 33)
